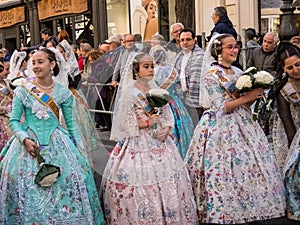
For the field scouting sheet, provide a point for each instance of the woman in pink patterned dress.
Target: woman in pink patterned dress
(6, 95)
(145, 180)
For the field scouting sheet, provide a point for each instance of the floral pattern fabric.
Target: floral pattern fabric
(292, 179)
(5, 109)
(233, 170)
(145, 180)
(279, 137)
(73, 198)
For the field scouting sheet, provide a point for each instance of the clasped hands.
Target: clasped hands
(161, 133)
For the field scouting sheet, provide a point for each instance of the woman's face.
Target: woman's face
(292, 67)
(146, 68)
(41, 65)
(152, 10)
(5, 72)
(61, 50)
(230, 50)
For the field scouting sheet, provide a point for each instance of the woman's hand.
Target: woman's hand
(254, 94)
(163, 134)
(30, 146)
(154, 119)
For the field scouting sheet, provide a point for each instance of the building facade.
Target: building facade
(95, 20)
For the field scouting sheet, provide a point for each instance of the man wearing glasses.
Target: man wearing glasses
(174, 44)
(188, 64)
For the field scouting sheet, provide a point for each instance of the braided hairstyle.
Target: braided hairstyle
(216, 48)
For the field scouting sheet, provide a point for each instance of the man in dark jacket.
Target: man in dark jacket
(222, 23)
(47, 36)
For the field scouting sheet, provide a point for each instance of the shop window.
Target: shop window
(117, 17)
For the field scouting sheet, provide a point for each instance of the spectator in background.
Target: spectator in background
(223, 25)
(296, 41)
(75, 50)
(251, 43)
(103, 47)
(138, 41)
(118, 70)
(174, 44)
(188, 63)
(47, 36)
(63, 35)
(262, 57)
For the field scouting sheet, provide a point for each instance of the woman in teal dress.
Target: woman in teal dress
(166, 78)
(73, 198)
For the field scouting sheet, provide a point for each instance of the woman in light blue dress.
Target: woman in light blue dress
(167, 78)
(73, 198)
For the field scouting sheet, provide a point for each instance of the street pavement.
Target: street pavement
(108, 145)
(98, 159)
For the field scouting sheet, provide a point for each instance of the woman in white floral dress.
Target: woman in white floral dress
(145, 180)
(233, 170)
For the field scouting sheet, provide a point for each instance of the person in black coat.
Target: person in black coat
(223, 25)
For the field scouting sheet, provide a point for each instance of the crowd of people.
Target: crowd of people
(197, 158)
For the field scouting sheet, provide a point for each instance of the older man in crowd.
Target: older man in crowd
(188, 64)
(262, 57)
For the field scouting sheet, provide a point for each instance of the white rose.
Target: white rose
(263, 77)
(243, 82)
(158, 92)
(251, 70)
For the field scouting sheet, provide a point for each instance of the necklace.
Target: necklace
(43, 87)
(225, 67)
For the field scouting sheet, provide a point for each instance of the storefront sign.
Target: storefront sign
(51, 8)
(12, 16)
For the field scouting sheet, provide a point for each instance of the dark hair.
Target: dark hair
(250, 33)
(46, 30)
(185, 30)
(220, 11)
(136, 64)
(216, 48)
(2, 61)
(60, 45)
(138, 37)
(51, 57)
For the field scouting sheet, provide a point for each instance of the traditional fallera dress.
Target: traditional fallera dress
(183, 127)
(233, 170)
(73, 198)
(6, 95)
(145, 180)
(292, 179)
(279, 135)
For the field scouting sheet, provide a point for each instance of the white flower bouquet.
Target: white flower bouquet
(157, 98)
(252, 79)
(47, 174)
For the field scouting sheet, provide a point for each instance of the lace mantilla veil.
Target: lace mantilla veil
(123, 125)
(15, 64)
(70, 58)
(64, 68)
(204, 99)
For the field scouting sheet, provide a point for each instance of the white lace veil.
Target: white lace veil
(204, 99)
(123, 125)
(64, 69)
(70, 58)
(15, 64)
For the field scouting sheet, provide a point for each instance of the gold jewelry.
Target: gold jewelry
(43, 87)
